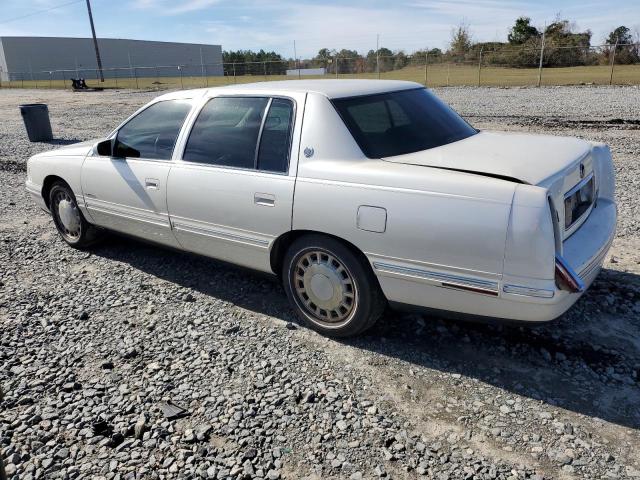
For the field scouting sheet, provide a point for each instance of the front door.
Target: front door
(127, 191)
(231, 195)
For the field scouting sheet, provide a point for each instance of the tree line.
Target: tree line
(564, 46)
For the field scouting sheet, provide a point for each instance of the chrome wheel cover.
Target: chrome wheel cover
(67, 215)
(324, 288)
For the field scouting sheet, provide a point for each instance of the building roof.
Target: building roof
(330, 88)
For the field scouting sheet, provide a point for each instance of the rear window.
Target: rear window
(396, 123)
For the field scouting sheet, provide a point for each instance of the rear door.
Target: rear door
(127, 192)
(231, 194)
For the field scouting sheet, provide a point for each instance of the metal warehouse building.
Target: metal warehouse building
(41, 58)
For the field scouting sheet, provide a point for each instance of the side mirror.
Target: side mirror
(105, 148)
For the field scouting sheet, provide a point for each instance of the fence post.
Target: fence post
(541, 58)
(337, 64)
(135, 74)
(426, 69)
(234, 72)
(480, 65)
(448, 73)
(264, 66)
(378, 55)
(613, 61)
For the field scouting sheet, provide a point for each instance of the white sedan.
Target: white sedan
(356, 193)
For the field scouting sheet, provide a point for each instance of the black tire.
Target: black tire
(342, 273)
(85, 234)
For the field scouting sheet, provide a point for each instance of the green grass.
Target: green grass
(436, 76)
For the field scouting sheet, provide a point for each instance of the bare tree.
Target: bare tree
(461, 40)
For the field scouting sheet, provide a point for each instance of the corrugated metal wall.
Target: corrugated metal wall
(34, 57)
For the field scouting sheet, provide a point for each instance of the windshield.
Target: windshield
(396, 123)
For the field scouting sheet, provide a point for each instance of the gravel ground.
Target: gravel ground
(128, 361)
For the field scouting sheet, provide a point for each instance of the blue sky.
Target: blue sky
(274, 25)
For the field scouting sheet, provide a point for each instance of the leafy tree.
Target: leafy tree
(522, 31)
(621, 34)
(626, 51)
(558, 36)
(247, 62)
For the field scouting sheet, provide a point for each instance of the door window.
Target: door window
(275, 141)
(153, 132)
(228, 131)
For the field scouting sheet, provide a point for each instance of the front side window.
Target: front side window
(226, 132)
(397, 123)
(243, 132)
(153, 132)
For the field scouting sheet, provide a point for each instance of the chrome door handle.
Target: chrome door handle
(151, 183)
(265, 199)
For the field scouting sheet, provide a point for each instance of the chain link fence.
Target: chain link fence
(503, 66)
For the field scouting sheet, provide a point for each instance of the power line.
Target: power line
(39, 11)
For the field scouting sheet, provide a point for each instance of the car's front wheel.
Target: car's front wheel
(71, 224)
(332, 288)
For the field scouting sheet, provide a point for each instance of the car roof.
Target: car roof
(329, 88)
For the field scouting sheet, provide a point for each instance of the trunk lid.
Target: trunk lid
(531, 159)
(563, 165)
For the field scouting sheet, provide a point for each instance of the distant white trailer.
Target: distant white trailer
(306, 71)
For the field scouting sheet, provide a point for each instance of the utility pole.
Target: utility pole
(295, 55)
(202, 64)
(95, 41)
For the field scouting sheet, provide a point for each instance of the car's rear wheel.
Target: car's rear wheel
(71, 224)
(332, 288)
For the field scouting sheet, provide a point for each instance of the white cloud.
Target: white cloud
(174, 7)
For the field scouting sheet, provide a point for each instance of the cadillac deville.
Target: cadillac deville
(356, 193)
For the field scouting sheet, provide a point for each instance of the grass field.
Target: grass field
(435, 76)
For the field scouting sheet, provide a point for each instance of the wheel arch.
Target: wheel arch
(284, 241)
(47, 183)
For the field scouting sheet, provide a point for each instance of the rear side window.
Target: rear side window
(243, 132)
(396, 123)
(153, 132)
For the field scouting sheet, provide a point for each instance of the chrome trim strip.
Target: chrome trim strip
(127, 215)
(232, 237)
(528, 291)
(444, 279)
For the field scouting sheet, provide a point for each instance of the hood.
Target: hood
(74, 149)
(524, 157)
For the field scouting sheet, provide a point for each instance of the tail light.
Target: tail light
(566, 278)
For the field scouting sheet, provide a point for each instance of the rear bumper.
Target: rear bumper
(514, 298)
